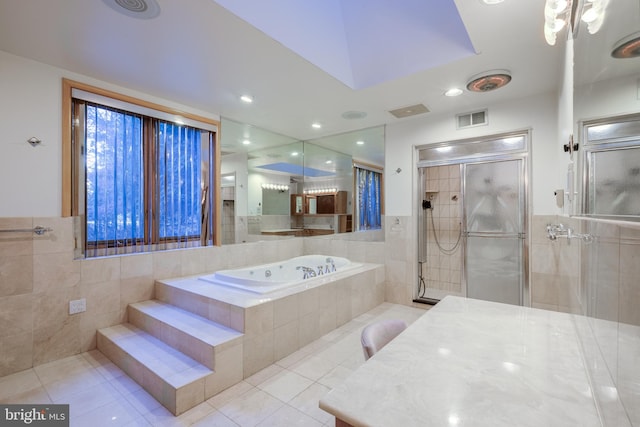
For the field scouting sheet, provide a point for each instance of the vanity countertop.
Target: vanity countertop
(468, 362)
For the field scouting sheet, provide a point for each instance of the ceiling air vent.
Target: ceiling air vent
(478, 118)
(409, 111)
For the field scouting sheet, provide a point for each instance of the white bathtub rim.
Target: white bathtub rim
(243, 299)
(228, 278)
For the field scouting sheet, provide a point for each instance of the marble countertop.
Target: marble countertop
(468, 362)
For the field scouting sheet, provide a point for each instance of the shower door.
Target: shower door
(494, 230)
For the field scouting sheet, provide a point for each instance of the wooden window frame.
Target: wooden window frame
(69, 201)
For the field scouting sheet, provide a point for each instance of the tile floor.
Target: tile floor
(283, 394)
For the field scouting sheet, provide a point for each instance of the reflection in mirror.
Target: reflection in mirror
(612, 168)
(606, 109)
(286, 187)
(238, 142)
(228, 198)
(606, 87)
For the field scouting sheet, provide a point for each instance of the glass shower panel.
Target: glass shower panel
(494, 197)
(494, 268)
(494, 222)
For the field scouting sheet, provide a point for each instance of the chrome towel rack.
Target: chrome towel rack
(38, 230)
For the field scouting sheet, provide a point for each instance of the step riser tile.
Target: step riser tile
(217, 311)
(229, 371)
(120, 358)
(189, 345)
(174, 337)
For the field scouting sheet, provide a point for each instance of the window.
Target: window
(368, 195)
(140, 179)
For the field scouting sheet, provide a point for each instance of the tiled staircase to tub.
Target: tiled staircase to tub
(179, 357)
(192, 342)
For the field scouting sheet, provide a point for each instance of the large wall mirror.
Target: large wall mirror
(606, 112)
(283, 187)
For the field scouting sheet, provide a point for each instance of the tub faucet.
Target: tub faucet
(308, 272)
(331, 267)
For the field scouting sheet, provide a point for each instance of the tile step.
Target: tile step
(176, 380)
(187, 332)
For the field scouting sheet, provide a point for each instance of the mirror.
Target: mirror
(285, 187)
(606, 110)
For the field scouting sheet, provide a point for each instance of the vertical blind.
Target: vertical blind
(179, 173)
(146, 182)
(114, 177)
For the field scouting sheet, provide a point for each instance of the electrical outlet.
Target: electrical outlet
(77, 306)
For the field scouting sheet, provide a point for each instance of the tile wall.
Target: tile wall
(443, 269)
(39, 276)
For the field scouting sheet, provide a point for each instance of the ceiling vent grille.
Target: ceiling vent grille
(477, 118)
(412, 110)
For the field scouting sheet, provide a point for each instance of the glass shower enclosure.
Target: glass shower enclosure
(473, 225)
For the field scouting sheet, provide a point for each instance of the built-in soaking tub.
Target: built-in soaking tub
(267, 278)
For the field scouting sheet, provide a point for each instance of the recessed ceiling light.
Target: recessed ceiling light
(316, 125)
(246, 98)
(295, 153)
(492, 1)
(328, 162)
(453, 92)
(360, 142)
(246, 142)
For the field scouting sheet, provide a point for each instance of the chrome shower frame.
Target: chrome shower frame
(475, 150)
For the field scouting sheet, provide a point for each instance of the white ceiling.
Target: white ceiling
(199, 54)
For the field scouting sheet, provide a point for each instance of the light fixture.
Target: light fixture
(320, 190)
(316, 125)
(294, 154)
(628, 47)
(593, 12)
(453, 92)
(489, 80)
(360, 142)
(556, 16)
(246, 142)
(246, 98)
(560, 13)
(278, 187)
(490, 2)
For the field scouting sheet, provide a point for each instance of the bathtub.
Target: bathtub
(267, 278)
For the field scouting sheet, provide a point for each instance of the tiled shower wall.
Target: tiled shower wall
(443, 269)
